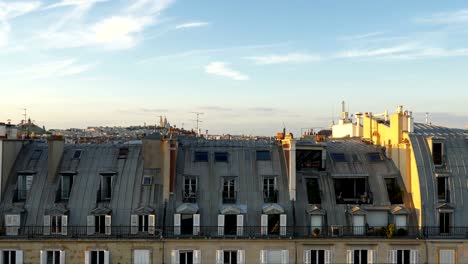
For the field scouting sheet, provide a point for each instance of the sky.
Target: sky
(251, 67)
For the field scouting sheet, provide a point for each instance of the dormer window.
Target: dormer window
(270, 190)
(221, 157)
(201, 156)
(23, 186)
(437, 153)
(375, 156)
(123, 152)
(262, 155)
(338, 157)
(36, 154)
(106, 186)
(77, 154)
(143, 223)
(66, 184)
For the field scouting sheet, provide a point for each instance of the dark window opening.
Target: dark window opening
(100, 224)
(355, 158)
(229, 257)
(186, 224)
(190, 190)
(317, 256)
(143, 223)
(97, 257)
(77, 154)
(147, 180)
(56, 224)
(229, 191)
(221, 157)
(403, 256)
(442, 189)
(444, 222)
(375, 156)
(352, 191)
(106, 187)
(123, 153)
(67, 183)
(309, 159)
(9, 257)
(395, 194)
(360, 257)
(274, 224)
(270, 192)
(263, 155)
(230, 224)
(338, 157)
(313, 191)
(53, 257)
(36, 154)
(437, 153)
(186, 257)
(201, 156)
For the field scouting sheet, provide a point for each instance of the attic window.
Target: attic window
(123, 153)
(263, 155)
(375, 156)
(36, 154)
(201, 156)
(77, 154)
(338, 157)
(221, 156)
(147, 180)
(437, 153)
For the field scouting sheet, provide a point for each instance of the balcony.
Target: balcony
(20, 196)
(270, 196)
(189, 196)
(230, 197)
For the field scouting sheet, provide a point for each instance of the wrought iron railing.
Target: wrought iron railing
(189, 196)
(270, 196)
(229, 197)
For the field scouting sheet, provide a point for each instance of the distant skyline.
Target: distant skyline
(250, 66)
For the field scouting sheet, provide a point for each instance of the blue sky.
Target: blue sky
(250, 66)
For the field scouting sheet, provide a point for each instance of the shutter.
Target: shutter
(263, 257)
(350, 256)
(240, 225)
(220, 225)
(43, 257)
(307, 257)
(219, 257)
(328, 258)
(19, 257)
(414, 257)
(108, 224)
(284, 256)
(62, 256)
(264, 225)
(46, 229)
(240, 256)
(371, 255)
(392, 257)
(176, 224)
(87, 257)
(1, 256)
(90, 222)
(64, 225)
(196, 224)
(197, 257)
(141, 257)
(151, 223)
(324, 158)
(134, 224)
(175, 256)
(106, 257)
(283, 218)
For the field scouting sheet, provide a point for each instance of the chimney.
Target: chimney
(9, 151)
(55, 152)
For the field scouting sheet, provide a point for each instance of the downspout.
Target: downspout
(163, 230)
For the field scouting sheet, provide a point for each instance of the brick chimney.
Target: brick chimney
(55, 152)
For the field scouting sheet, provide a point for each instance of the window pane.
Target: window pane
(375, 156)
(263, 155)
(338, 157)
(201, 156)
(221, 156)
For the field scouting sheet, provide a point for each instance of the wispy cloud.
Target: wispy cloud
(11, 10)
(192, 25)
(215, 108)
(58, 68)
(361, 36)
(284, 58)
(262, 109)
(222, 69)
(360, 53)
(455, 17)
(76, 3)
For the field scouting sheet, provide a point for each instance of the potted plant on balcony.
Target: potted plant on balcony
(390, 230)
(316, 232)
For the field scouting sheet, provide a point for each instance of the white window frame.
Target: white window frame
(264, 256)
(18, 255)
(327, 256)
(371, 256)
(88, 256)
(45, 252)
(413, 256)
(146, 221)
(12, 224)
(175, 255)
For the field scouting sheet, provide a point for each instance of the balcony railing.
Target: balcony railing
(229, 197)
(247, 232)
(103, 196)
(270, 196)
(189, 196)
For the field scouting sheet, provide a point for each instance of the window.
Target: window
(338, 157)
(274, 257)
(56, 224)
(442, 189)
(230, 257)
(190, 190)
(12, 256)
(445, 222)
(24, 184)
(106, 186)
(66, 185)
(375, 156)
(351, 190)
(355, 158)
(186, 256)
(221, 157)
(99, 224)
(270, 192)
(186, 224)
(317, 256)
(201, 156)
(263, 155)
(229, 190)
(36, 154)
(143, 223)
(437, 153)
(404, 256)
(123, 153)
(12, 224)
(309, 159)
(360, 256)
(447, 256)
(230, 224)
(395, 194)
(77, 154)
(313, 191)
(273, 224)
(52, 257)
(97, 257)
(141, 256)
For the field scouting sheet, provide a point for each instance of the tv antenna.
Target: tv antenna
(198, 118)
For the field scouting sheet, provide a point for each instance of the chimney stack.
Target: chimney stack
(55, 151)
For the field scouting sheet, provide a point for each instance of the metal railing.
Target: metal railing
(246, 232)
(229, 197)
(270, 196)
(189, 196)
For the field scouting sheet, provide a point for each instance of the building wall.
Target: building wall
(10, 151)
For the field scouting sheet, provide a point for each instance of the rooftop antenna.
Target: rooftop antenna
(427, 118)
(198, 118)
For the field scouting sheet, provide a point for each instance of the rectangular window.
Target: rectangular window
(190, 190)
(229, 191)
(100, 224)
(123, 153)
(360, 257)
(77, 154)
(273, 224)
(186, 222)
(263, 155)
(230, 224)
(56, 224)
(66, 184)
(274, 257)
(317, 256)
(437, 154)
(313, 191)
(444, 223)
(395, 194)
(403, 256)
(143, 223)
(12, 224)
(230, 257)
(186, 257)
(221, 157)
(141, 256)
(106, 187)
(447, 256)
(201, 156)
(98, 257)
(309, 159)
(442, 189)
(270, 192)
(147, 180)
(351, 190)
(338, 157)
(375, 156)
(52, 257)
(9, 256)
(24, 184)
(36, 154)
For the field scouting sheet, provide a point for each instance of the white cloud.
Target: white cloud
(362, 36)
(77, 3)
(456, 17)
(192, 25)
(221, 69)
(285, 58)
(359, 53)
(10, 11)
(58, 68)
(149, 6)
